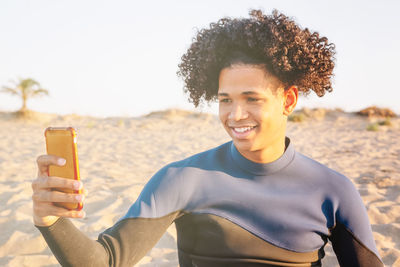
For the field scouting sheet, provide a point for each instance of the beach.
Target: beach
(118, 155)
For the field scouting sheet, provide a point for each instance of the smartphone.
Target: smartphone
(61, 142)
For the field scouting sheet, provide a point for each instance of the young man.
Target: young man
(253, 201)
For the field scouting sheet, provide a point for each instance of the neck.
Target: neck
(267, 155)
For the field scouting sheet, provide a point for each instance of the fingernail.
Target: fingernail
(77, 185)
(79, 198)
(61, 162)
(82, 214)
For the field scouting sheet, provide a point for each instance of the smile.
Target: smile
(242, 132)
(243, 129)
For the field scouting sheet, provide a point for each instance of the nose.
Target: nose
(237, 113)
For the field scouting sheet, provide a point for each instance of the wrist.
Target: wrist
(44, 221)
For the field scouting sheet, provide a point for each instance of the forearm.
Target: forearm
(124, 244)
(71, 247)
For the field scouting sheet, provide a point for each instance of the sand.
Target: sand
(118, 155)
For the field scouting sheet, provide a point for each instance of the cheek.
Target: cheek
(267, 116)
(260, 114)
(222, 113)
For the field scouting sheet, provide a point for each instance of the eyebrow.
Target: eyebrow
(243, 93)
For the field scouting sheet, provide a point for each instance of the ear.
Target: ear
(291, 95)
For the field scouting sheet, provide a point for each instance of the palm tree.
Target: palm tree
(25, 89)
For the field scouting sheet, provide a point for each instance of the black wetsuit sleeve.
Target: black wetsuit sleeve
(350, 251)
(124, 244)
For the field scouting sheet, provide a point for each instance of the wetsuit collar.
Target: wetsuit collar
(263, 168)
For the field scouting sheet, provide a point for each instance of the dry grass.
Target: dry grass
(297, 117)
(373, 127)
(386, 122)
(374, 111)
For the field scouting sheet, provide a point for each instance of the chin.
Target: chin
(244, 145)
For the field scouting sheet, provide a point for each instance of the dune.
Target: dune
(118, 155)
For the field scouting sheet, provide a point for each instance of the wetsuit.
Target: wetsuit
(230, 211)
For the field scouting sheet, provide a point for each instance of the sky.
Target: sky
(120, 58)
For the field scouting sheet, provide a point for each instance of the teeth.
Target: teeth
(243, 129)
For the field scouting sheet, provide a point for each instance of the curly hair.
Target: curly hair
(294, 55)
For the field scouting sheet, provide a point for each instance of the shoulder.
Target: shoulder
(167, 191)
(332, 179)
(342, 203)
(340, 195)
(347, 204)
(333, 187)
(172, 173)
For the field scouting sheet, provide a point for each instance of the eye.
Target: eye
(224, 100)
(253, 99)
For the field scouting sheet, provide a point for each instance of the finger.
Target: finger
(56, 196)
(50, 182)
(50, 209)
(63, 212)
(44, 161)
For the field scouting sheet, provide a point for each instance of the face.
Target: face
(253, 109)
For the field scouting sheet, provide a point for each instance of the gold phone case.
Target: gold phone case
(61, 142)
